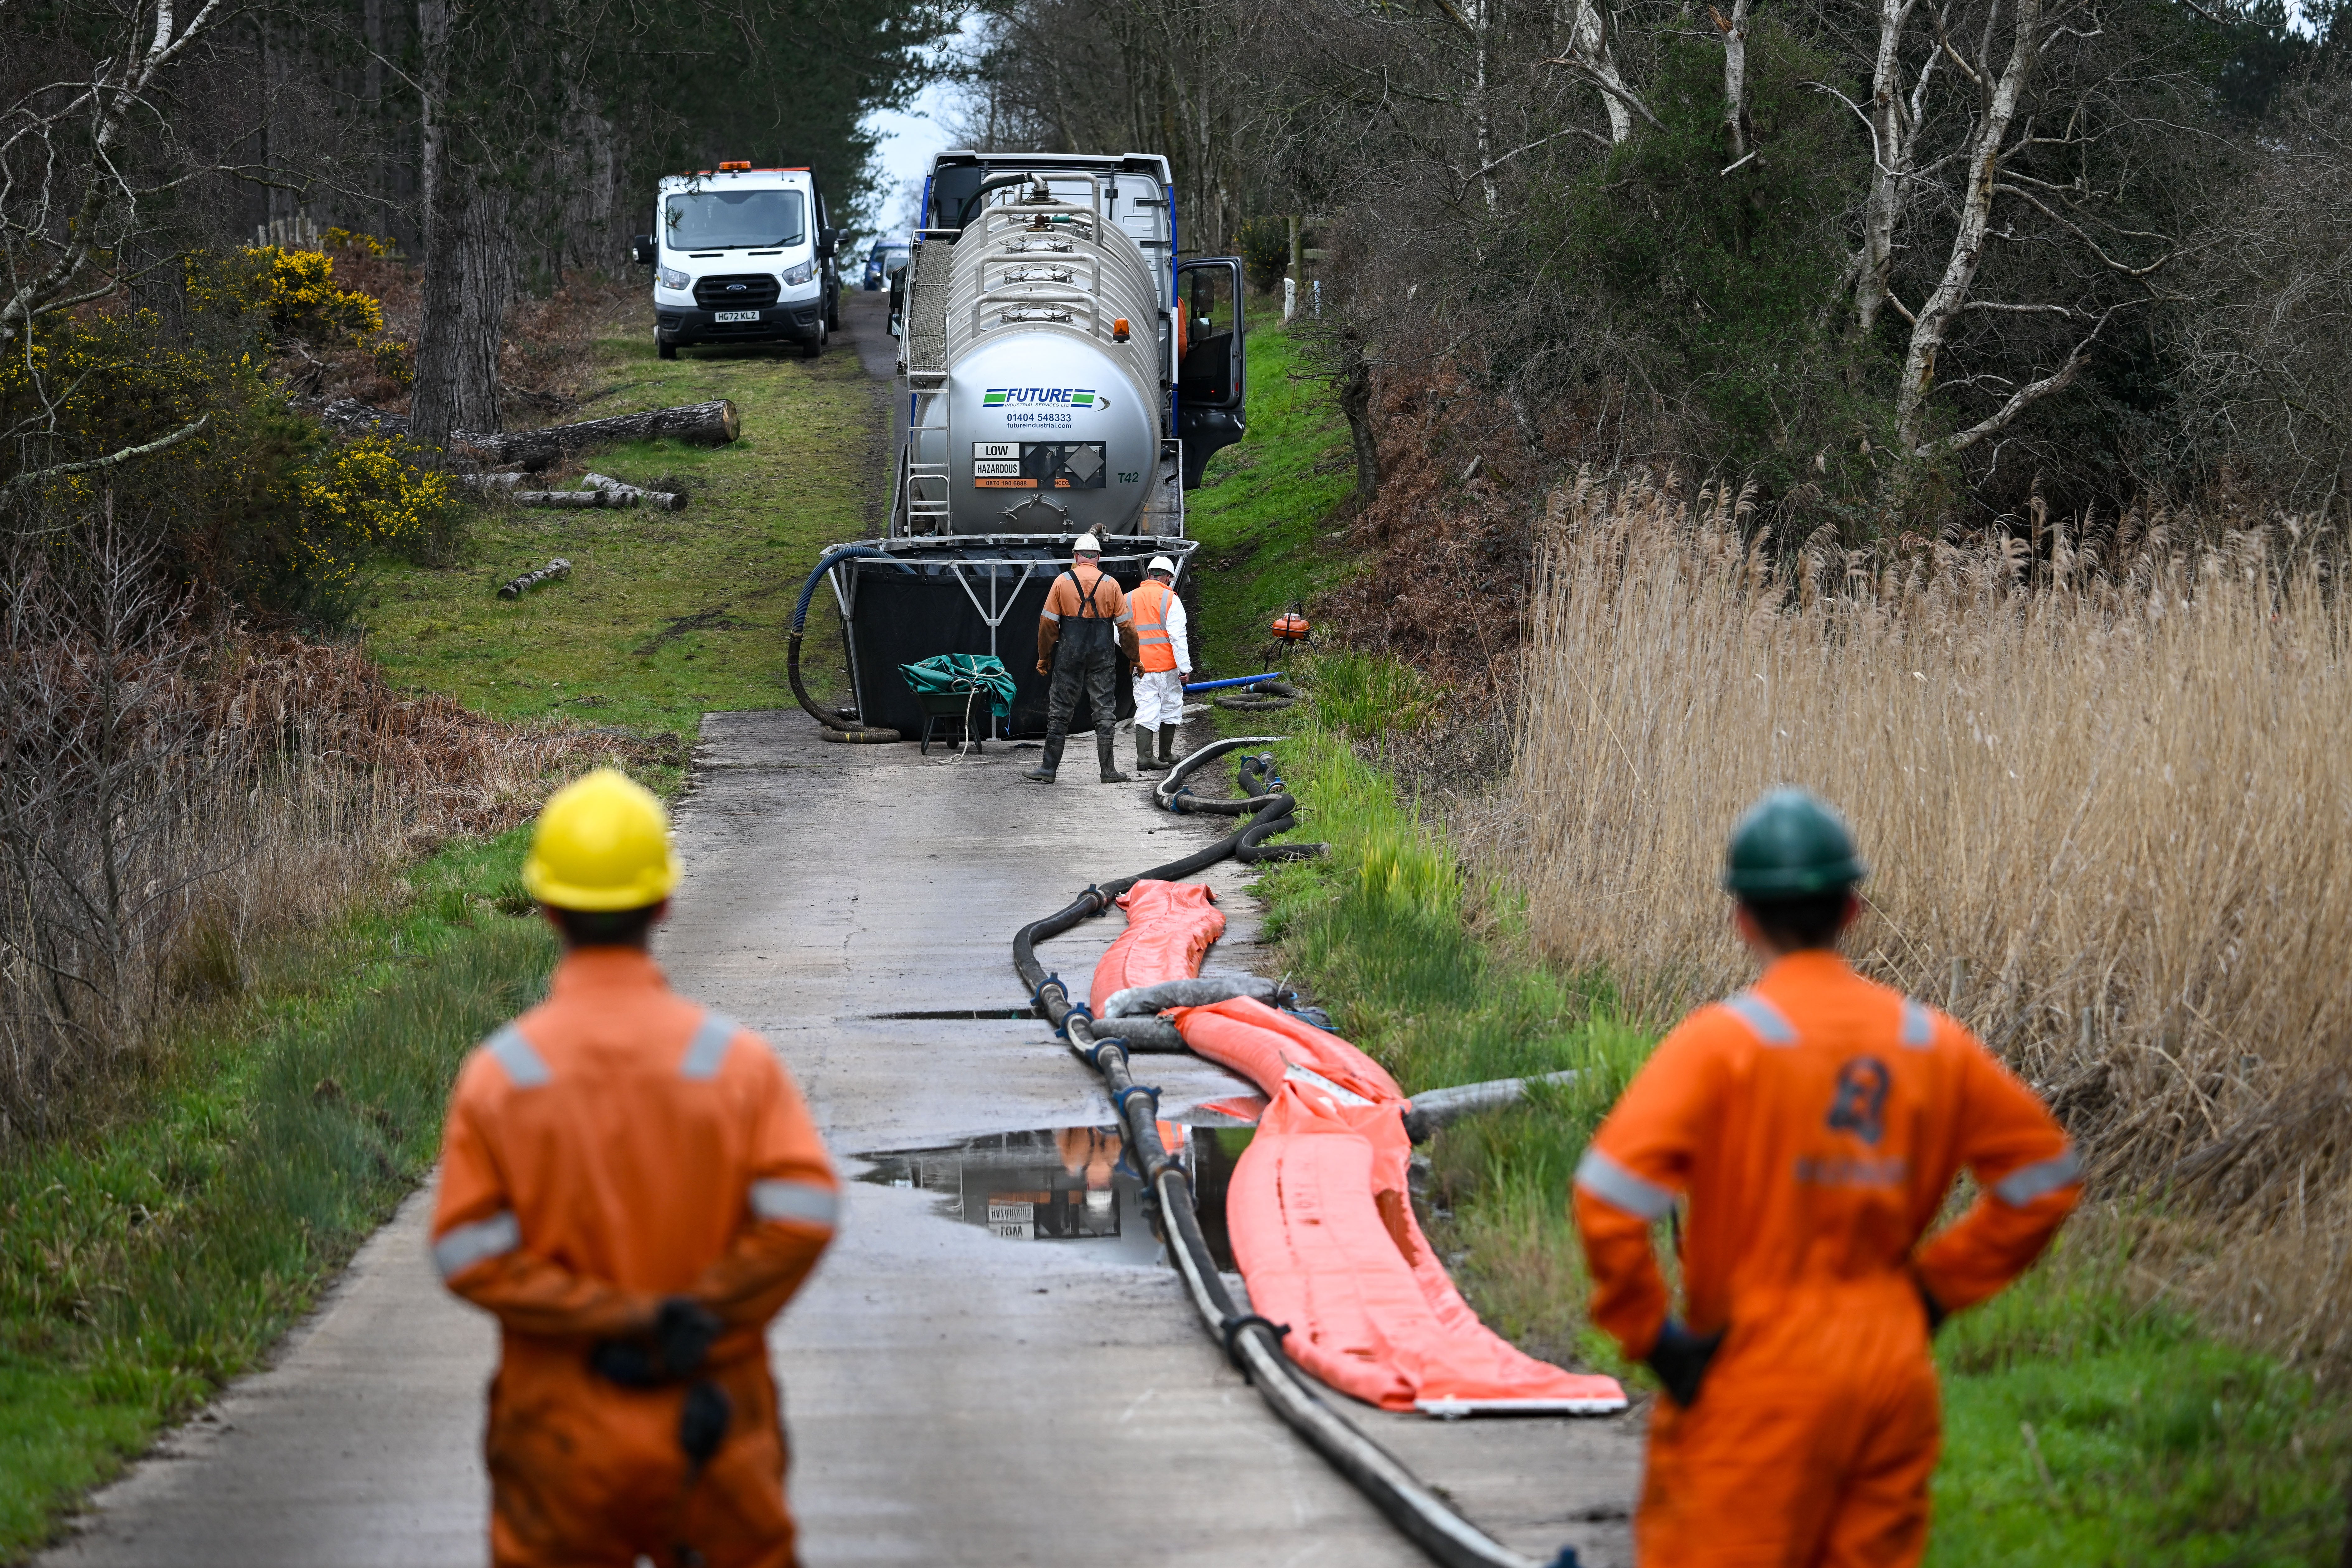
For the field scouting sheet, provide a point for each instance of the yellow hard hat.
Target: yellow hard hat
(602, 843)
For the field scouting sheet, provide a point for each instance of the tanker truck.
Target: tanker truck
(1060, 371)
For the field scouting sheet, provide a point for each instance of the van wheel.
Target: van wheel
(663, 348)
(811, 347)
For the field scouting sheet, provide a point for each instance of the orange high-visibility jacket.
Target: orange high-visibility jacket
(614, 1146)
(1149, 604)
(1815, 1123)
(618, 1144)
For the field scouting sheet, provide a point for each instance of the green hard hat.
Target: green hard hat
(1789, 845)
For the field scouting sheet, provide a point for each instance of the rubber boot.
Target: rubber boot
(1049, 762)
(1167, 746)
(1145, 762)
(1106, 752)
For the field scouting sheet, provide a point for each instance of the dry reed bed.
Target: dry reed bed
(2106, 793)
(191, 794)
(431, 766)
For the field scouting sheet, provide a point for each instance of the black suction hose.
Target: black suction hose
(1251, 1343)
(1256, 775)
(1188, 803)
(839, 724)
(1263, 696)
(1165, 791)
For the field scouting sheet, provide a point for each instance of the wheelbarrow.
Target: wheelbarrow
(954, 709)
(951, 688)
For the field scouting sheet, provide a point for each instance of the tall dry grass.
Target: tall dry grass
(174, 792)
(2106, 793)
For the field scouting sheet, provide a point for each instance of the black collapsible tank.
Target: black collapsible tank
(972, 593)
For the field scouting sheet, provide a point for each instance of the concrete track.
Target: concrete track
(952, 1397)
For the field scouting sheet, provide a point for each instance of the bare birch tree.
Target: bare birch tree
(85, 162)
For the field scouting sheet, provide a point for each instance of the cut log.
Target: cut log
(712, 423)
(489, 481)
(353, 417)
(661, 500)
(568, 498)
(515, 588)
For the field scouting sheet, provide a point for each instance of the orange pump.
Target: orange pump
(1290, 627)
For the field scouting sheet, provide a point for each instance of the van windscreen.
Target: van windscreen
(733, 220)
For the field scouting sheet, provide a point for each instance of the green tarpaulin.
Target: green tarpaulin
(955, 674)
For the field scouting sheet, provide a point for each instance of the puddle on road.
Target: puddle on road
(1071, 1185)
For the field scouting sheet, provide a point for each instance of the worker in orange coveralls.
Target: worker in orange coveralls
(632, 1185)
(1813, 1125)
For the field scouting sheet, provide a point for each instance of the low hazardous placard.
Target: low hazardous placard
(1039, 465)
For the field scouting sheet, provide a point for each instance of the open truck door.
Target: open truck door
(1212, 378)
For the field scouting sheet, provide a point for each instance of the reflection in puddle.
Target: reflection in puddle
(1071, 1185)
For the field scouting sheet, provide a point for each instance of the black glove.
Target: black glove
(1680, 1359)
(703, 1420)
(683, 1329)
(1935, 1313)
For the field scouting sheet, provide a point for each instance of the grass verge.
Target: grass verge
(165, 1249)
(2083, 1425)
(666, 615)
(1263, 511)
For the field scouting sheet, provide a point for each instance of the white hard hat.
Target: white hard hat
(1162, 563)
(1086, 544)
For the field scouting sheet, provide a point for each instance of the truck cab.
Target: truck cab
(741, 255)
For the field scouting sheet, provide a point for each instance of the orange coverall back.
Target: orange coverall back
(1814, 1124)
(614, 1146)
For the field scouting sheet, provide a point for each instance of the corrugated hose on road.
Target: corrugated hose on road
(1254, 1345)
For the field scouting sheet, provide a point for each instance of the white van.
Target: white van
(741, 255)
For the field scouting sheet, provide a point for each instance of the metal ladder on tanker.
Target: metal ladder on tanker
(923, 478)
(921, 507)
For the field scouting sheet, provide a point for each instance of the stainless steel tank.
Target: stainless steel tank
(1033, 367)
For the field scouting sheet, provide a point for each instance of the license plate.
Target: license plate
(735, 315)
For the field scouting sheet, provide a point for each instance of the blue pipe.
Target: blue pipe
(1233, 680)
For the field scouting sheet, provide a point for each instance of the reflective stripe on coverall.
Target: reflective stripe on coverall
(615, 1145)
(1815, 1124)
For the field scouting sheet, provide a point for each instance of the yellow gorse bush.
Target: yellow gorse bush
(293, 291)
(84, 388)
(366, 496)
(352, 240)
